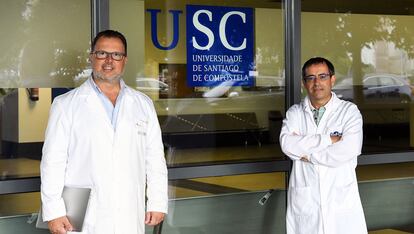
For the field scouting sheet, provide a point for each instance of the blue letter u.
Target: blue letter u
(154, 31)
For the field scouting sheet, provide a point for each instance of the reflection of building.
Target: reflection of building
(389, 59)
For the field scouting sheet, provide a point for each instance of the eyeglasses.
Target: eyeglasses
(100, 54)
(322, 77)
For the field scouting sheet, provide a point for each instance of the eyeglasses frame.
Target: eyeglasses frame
(107, 54)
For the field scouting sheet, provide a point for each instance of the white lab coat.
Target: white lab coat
(323, 195)
(82, 149)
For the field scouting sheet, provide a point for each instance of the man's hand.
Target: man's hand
(153, 218)
(335, 139)
(59, 225)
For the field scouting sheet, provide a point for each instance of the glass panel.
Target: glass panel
(20, 224)
(239, 199)
(43, 43)
(21, 167)
(204, 118)
(370, 46)
(229, 213)
(12, 206)
(22, 203)
(386, 194)
(207, 186)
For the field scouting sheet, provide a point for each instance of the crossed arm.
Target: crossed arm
(321, 149)
(334, 139)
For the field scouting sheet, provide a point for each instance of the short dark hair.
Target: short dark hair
(318, 60)
(110, 34)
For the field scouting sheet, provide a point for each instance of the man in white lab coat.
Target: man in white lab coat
(323, 137)
(105, 136)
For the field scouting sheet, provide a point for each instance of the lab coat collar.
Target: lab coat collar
(97, 89)
(87, 88)
(332, 103)
(92, 100)
(91, 97)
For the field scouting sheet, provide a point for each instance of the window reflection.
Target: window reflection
(386, 193)
(374, 63)
(201, 124)
(44, 44)
(209, 186)
(22, 203)
(376, 88)
(237, 197)
(43, 47)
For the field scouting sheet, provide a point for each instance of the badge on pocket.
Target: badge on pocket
(336, 133)
(141, 126)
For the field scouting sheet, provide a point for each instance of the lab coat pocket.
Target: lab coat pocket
(334, 130)
(346, 197)
(141, 127)
(300, 199)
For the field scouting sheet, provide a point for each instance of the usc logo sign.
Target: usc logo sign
(204, 26)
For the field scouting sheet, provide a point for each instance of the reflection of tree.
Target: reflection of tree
(269, 59)
(353, 32)
(3, 93)
(38, 39)
(68, 64)
(401, 35)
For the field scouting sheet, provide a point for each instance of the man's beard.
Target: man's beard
(110, 79)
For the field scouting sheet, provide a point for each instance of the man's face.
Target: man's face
(319, 88)
(108, 69)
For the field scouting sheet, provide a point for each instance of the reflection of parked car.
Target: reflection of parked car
(151, 85)
(377, 88)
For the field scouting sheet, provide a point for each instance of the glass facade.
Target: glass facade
(371, 49)
(229, 122)
(44, 43)
(219, 76)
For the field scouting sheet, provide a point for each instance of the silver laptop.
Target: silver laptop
(76, 202)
